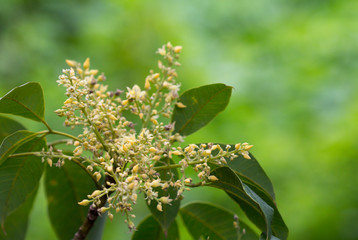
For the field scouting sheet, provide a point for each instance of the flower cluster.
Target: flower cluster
(130, 155)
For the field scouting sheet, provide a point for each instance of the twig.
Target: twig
(92, 215)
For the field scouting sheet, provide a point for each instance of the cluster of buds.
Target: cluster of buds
(125, 153)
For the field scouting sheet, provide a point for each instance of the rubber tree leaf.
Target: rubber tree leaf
(13, 142)
(149, 229)
(8, 126)
(202, 105)
(214, 223)
(260, 212)
(65, 187)
(15, 225)
(19, 177)
(26, 100)
(253, 176)
(170, 211)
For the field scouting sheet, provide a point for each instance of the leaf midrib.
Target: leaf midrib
(21, 104)
(23, 140)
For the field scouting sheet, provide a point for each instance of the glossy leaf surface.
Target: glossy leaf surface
(263, 213)
(19, 177)
(214, 223)
(26, 100)
(8, 126)
(15, 225)
(13, 142)
(65, 187)
(149, 229)
(202, 105)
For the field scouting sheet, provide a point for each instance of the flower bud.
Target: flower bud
(135, 168)
(49, 161)
(213, 178)
(71, 63)
(86, 64)
(180, 105)
(156, 183)
(159, 207)
(177, 49)
(84, 202)
(165, 200)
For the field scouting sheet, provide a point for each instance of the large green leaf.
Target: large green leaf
(19, 177)
(13, 142)
(149, 229)
(8, 126)
(65, 187)
(214, 223)
(202, 105)
(261, 212)
(252, 175)
(15, 225)
(170, 211)
(26, 100)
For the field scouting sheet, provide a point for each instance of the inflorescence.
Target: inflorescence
(126, 154)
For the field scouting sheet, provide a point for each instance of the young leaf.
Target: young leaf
(13, 142)
(149, 229)
(65, 187)
(170, 211)
(19, 177)
(15, 225)
(26, 100)
(8, 126)
(214, 223)
(260, 212)
(201, 106)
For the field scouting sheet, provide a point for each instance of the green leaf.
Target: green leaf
(262, 213)
(149, 229)
(26, 100)
(250, 172)
(202, 105)
(15, 225)
(19, 177)
(13, 142)
(170, 211)
(65, 187)
(214, 223)
(8, 126)
(252, 175)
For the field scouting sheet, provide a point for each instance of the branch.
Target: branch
(92, 215)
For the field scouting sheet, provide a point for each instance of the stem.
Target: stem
(192, 162)
(46, 124)
(178, 165)
(64, 134)
(92, 215)
(94, 128)
(57, 142)
(152, 104)
(194, 184)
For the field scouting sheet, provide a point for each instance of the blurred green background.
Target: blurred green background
(294, 66)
